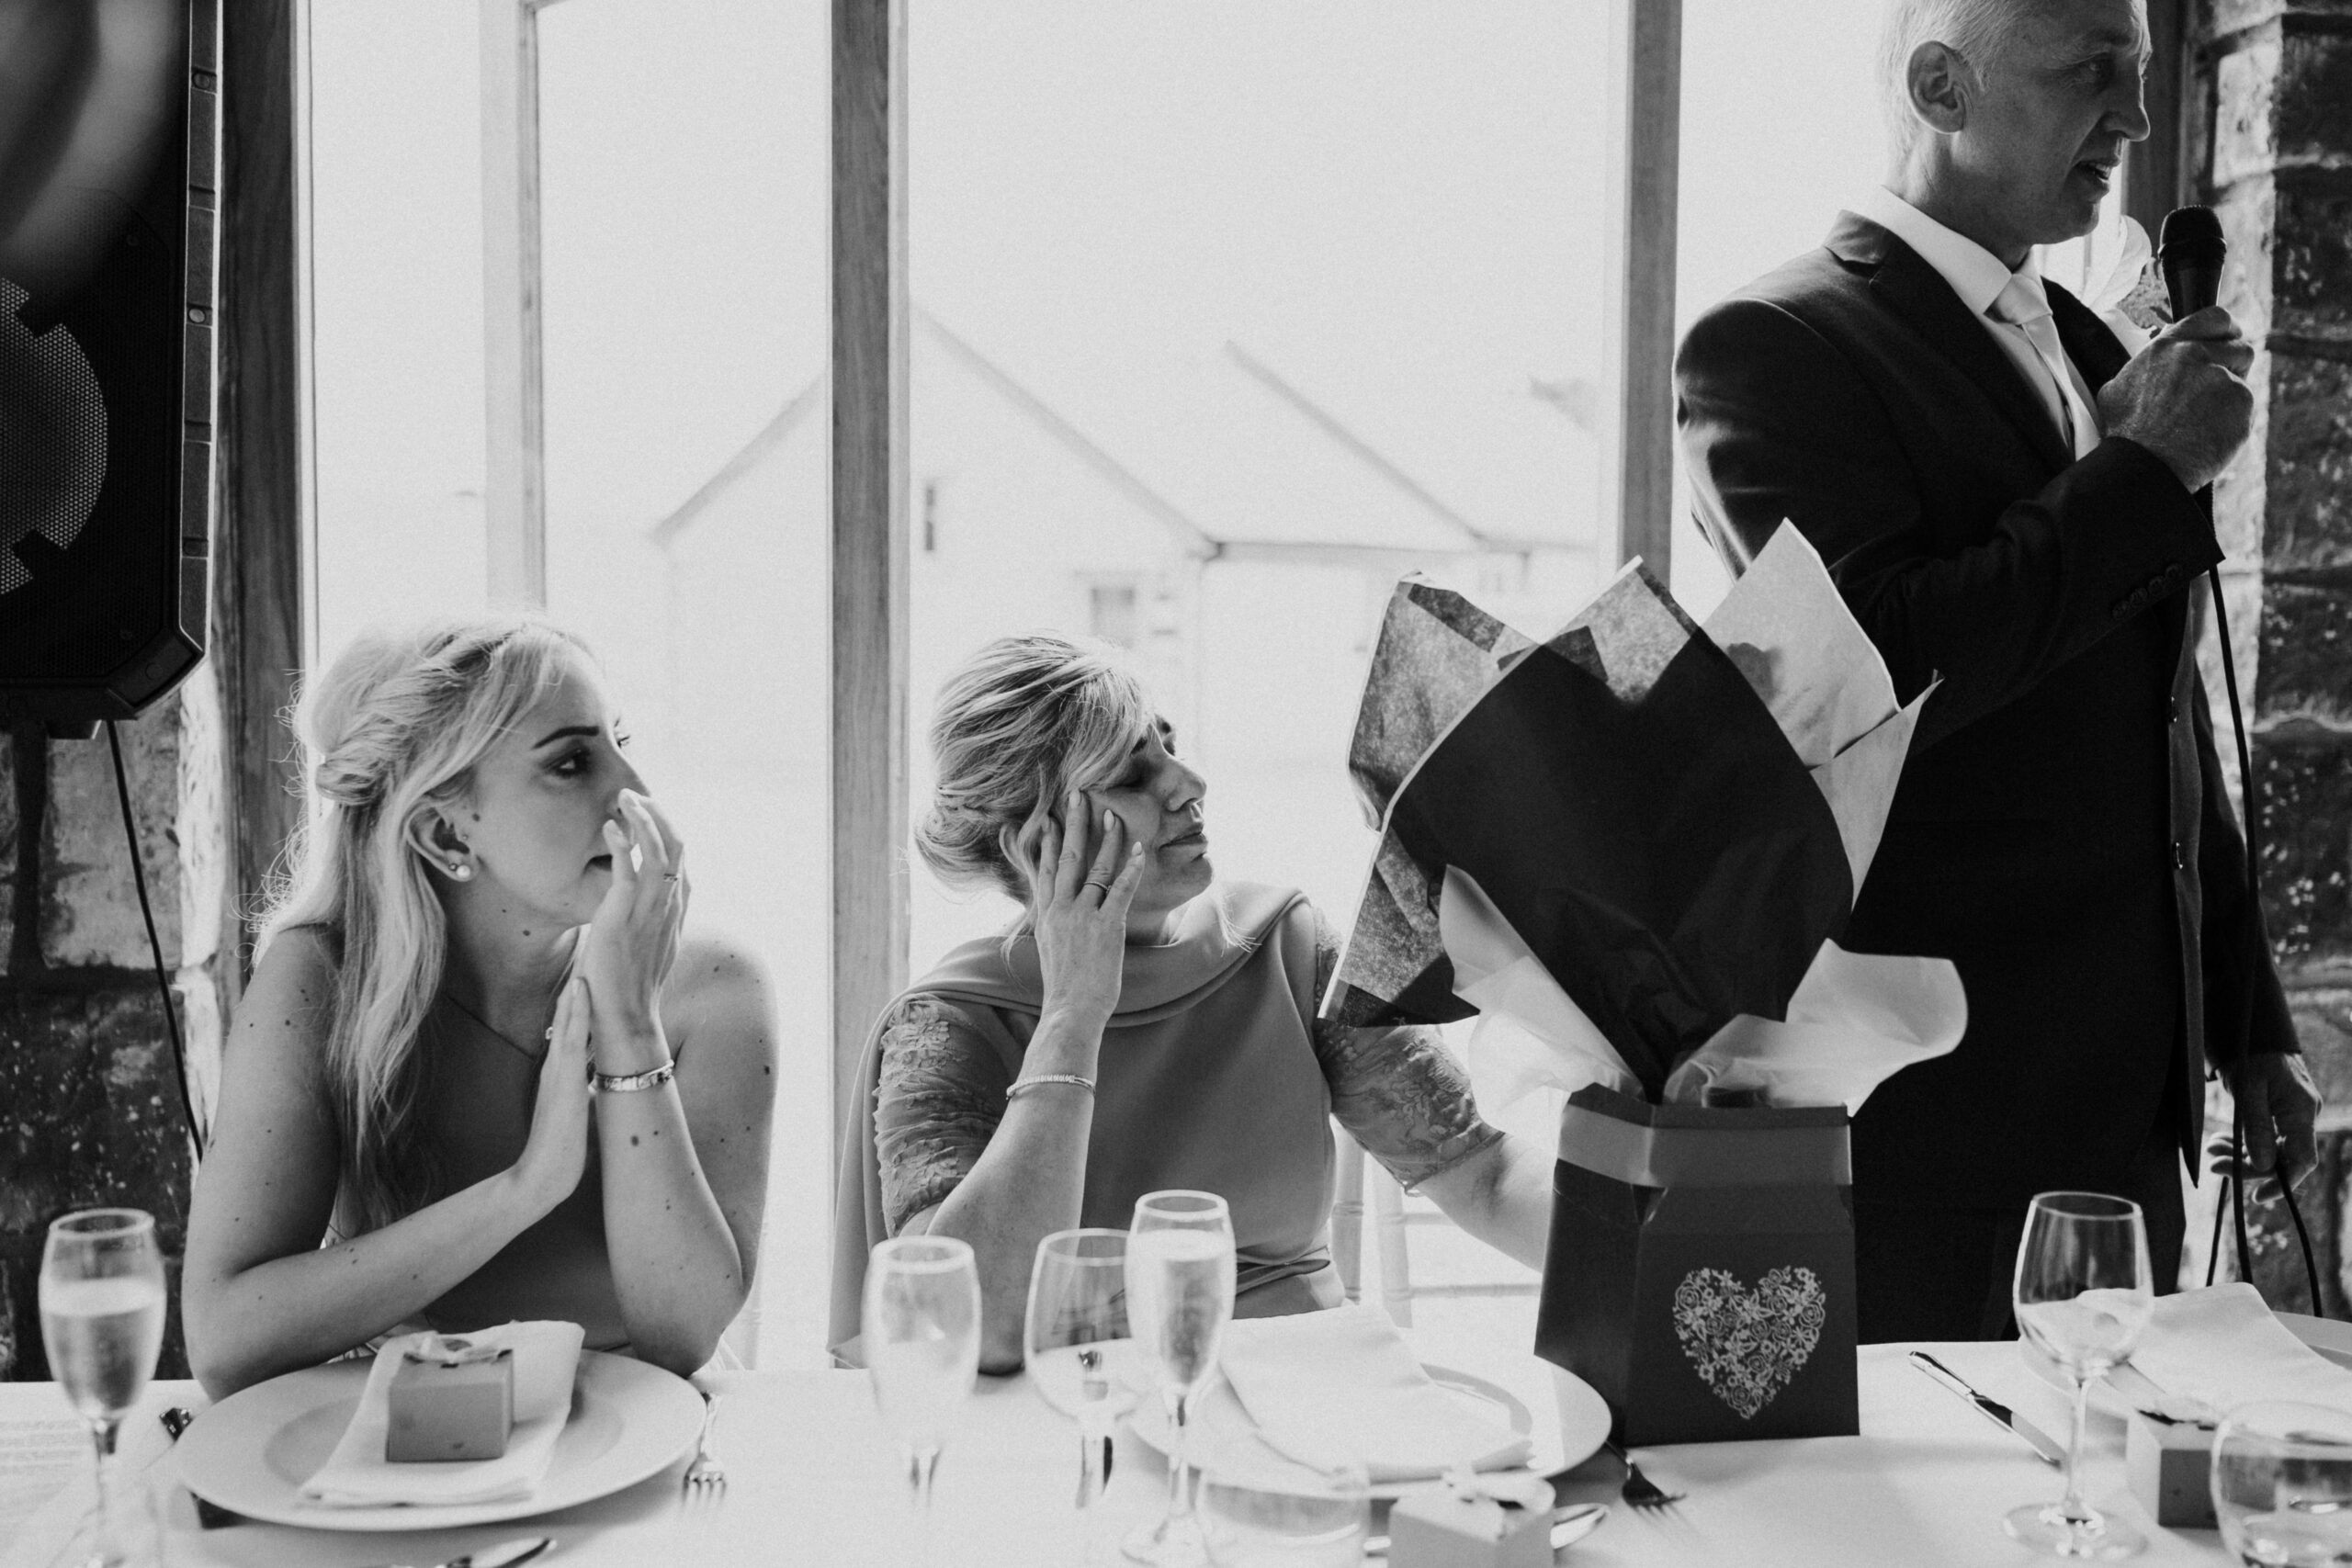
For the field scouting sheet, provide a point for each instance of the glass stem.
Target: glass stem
(1090, 1465)
(2071, 1505)
(110, 1537)
(1091, 1440)
(922, 1465)
(1179, 1463)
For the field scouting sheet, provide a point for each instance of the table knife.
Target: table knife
(1993, 1410)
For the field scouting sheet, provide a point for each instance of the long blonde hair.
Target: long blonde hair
(395, 725)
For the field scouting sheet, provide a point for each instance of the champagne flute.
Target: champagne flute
(923, 1349)
(1180, 1297)
(2084, 1294)
(102, 1322)
(1080, 1352)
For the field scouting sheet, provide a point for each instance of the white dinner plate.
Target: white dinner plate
(250, 1452)
(1222, 1430)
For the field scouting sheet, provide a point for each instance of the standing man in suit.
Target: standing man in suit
(2005, 499)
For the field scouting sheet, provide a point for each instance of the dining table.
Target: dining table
(811, 1478)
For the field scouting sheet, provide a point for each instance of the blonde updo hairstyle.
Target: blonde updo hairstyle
(394, 724)
(1026, 719)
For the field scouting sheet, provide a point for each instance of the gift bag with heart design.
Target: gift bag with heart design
(1700, 1269)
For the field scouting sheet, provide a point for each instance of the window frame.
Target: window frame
(267, 606)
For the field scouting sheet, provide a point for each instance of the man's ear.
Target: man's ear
(437, 841)
(1940, 82)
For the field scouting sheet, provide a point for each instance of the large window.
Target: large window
(1221, 316)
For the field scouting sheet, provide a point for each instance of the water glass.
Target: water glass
(1080, 1351)
(2282, 1484)
(2084, 1294)
(1180, 1297)
(922, 1350)
(102, 1324)
(1294, 1517)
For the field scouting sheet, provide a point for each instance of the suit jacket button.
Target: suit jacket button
(2172, 710)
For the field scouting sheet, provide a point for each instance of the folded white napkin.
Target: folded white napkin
(2221, 1347)
(357, 1475)
(1325, 1388)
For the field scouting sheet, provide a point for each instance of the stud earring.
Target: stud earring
(461, 871)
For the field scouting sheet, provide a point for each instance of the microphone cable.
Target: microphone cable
(154, 944)
(2233, 1189)
(2190, 253)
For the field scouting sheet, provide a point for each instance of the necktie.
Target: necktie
(2023, 307)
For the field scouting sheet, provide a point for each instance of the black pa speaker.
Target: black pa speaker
(110, 172)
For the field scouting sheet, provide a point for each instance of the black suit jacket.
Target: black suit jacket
(2061, 831)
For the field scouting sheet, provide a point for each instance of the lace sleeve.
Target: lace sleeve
(1397, 1091)
(940, 1096)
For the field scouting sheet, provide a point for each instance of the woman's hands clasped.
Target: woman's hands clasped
(1079, 904)
(632, 940)
(556, 1152)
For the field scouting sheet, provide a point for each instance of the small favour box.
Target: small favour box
(1474, 1522)
(1701, 1268)
(2170, 1467)
(449, 1399)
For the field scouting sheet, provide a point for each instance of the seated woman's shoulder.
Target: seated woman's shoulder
(1256, 903)
(296, 974)
(718, 981)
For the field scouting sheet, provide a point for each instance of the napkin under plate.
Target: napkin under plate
(357, 1475)
(1325, 1388)
(2222, 1348)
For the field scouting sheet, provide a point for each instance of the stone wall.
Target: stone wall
(2271, 129)
(90, 1111)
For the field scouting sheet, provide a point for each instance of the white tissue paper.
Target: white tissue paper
(1530, 1033)
(1856, 1021)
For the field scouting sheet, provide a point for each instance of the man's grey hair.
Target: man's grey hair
(1975, 29)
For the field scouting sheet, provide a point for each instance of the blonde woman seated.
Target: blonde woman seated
(485, 909)
(1184, 1007)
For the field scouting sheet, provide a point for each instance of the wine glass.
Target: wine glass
(2282, 1482)
(2083, 1295)
(1180, 1297)
(923, 1349)
(1290, 1517)
(1080, 1352)
(102, 1322)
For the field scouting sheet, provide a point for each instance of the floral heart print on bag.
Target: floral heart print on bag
(1748, 1344)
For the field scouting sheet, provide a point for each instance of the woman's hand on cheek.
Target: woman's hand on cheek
(630, 943)
(1082, 879)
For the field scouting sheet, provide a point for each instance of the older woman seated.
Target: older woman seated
(1143, 1026)
(484, 907)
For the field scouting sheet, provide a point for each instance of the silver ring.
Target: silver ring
(1104, 886)
(670, 876)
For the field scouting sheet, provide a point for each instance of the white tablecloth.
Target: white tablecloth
(812, 1479)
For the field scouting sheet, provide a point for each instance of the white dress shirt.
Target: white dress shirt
(1980, 277)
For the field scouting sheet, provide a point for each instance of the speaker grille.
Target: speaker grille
(52, 437)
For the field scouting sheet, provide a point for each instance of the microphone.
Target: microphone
(2190, 253)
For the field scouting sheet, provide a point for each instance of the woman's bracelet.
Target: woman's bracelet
(629, 1083)
(1038, 1080)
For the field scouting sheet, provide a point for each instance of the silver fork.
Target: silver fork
(707, 1477)
(1640, 1491)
